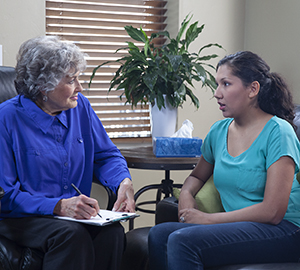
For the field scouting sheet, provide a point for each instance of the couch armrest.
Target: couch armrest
(167, 210)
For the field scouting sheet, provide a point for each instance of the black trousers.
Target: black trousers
(68, 244)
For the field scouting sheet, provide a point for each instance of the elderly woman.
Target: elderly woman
(50, 137)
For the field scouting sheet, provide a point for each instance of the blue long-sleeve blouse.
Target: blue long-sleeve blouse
(41, 155)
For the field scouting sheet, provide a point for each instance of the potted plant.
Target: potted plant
(162, 75)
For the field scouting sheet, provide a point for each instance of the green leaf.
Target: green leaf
(194, 99)
(210, 45)
(192, 33)
(132, 46)
(163, 74)
(160, 101)
(144, 33)
(171, 48)
(181, 90)
(158, 34)
(138, 57)
(212, 84)
(212, 81)
(136, 34)
(150, 79)
(147, 50)
(94, 72)
(184, 25)
(175, 61)
(201, 72)
(207, 57)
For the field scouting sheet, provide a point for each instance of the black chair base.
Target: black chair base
(13, 256)
(136, 253)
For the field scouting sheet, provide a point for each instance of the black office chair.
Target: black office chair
(13, 256)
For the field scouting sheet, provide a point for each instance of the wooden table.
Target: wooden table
(143, 158)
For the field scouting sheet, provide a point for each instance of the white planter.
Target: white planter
(163, 122)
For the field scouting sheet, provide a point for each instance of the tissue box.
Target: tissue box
(177, 147)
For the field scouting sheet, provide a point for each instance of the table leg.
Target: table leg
(165, 187)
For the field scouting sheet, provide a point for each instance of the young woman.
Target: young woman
(253, 155)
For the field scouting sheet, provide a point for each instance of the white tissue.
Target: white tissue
(185, 131)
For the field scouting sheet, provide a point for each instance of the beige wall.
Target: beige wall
(272, 31)
(19, 20)
(268, 27)
(228, 31)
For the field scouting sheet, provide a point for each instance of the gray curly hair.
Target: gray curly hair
(43, 61)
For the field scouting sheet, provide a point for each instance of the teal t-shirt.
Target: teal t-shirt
(241, 180)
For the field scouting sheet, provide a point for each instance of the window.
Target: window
(97, 27)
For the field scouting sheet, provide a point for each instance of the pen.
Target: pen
(79, 192)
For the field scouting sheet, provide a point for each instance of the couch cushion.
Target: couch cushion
(207, 199)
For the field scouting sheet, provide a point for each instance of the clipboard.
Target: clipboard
(108, 217)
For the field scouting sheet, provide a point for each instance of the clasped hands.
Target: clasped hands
(192, 215)
(188, 211)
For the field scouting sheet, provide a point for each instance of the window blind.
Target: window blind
(97, 27)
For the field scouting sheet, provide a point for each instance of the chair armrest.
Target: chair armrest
(1, 196)
(1, 193)
(167, 210)
(112, 197)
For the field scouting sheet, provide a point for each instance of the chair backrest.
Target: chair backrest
(297, 120)
(7, 85)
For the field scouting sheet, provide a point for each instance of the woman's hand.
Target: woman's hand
(186, 201)
(79, 207)
(192, 215)
(193, 184)
(125, 200)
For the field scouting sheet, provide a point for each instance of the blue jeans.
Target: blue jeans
(180, 246)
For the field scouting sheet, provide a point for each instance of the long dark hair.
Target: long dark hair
(274, 96)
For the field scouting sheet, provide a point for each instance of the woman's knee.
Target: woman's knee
(71, 233)
(184, 241)
(163, 229)
(113, 234)
(158, 233)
